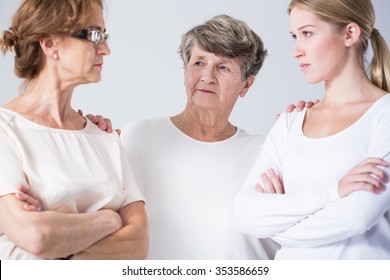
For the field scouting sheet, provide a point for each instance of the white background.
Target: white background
(143, 77)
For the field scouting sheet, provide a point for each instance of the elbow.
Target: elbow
(143, 248)
(244, 219)
(137, 247)
(142, 252)
(360, 225)
(38, 241)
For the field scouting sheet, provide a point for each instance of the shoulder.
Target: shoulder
(6, 117)
(381, 112)
(245, 136)
(140, 127)
(286, 121)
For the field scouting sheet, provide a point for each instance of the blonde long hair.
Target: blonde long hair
(340, 13)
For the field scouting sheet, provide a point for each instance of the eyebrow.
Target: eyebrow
(303, 27)
(97, 27)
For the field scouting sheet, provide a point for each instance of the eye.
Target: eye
(307, 33)
(224, 68)
(293, 36)
(198, 63)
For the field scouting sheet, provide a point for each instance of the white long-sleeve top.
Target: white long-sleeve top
(311, 221)
(189, 187)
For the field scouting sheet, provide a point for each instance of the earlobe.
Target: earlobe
(49, 47)
(248, 84)
(352, 34)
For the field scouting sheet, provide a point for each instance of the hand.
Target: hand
(31, 201)
(103, 123)
(299, 107)
(272, 182)
(365, 176)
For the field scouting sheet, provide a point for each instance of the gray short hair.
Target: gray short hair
(226, 36)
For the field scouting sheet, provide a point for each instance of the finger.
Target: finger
(29, 207)
(26, 190)
(92, 118)
(101, 122)
(371, 160)
(290, 108)
(275, 181)
(23, 189)
(267, 183)
(108, 125)
(372, 169)
(28, 199)
(118, 131)
(300, 105)
(316, 101)
(309, 104)
(80, 112)
(364, 186)
(259, 188)
(282, 182)
(369, 179)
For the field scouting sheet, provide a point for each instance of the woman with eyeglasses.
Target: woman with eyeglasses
(91, 205)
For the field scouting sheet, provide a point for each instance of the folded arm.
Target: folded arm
(51, 234)
(264, 215)
(268, 214)
(129, 242)
(353, 214)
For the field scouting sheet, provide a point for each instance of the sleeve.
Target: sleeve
(132, 138)
(130, 183)
(351, 215)
(11, 164)
(264, 215)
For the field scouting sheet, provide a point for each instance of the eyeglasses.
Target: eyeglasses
(95, 36)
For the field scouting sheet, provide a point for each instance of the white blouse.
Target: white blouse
(71, 171)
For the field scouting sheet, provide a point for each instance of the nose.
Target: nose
(103, 49)
(297, 51)
(208, 75)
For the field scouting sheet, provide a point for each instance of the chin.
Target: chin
(313, 80)
(96, 80)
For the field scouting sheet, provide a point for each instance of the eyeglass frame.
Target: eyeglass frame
(83, 34)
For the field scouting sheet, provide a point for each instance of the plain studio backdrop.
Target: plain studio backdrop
(143, 76)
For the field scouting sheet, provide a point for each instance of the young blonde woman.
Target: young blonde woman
(319, 186)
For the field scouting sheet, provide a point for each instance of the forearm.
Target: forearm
(65, 234)
(264, 215)
(130, 242)
(51, 234)
(345, 218)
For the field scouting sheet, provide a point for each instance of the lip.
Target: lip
(303, 66)
(100, 65)
(205, 91)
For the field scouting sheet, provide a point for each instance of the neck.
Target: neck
(47, 102)
(205, 126)
(351, 86)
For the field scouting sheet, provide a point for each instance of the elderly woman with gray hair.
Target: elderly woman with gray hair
(190, 166)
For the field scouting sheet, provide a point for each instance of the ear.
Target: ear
(49, 47)
(249, 82)
(352, 34)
